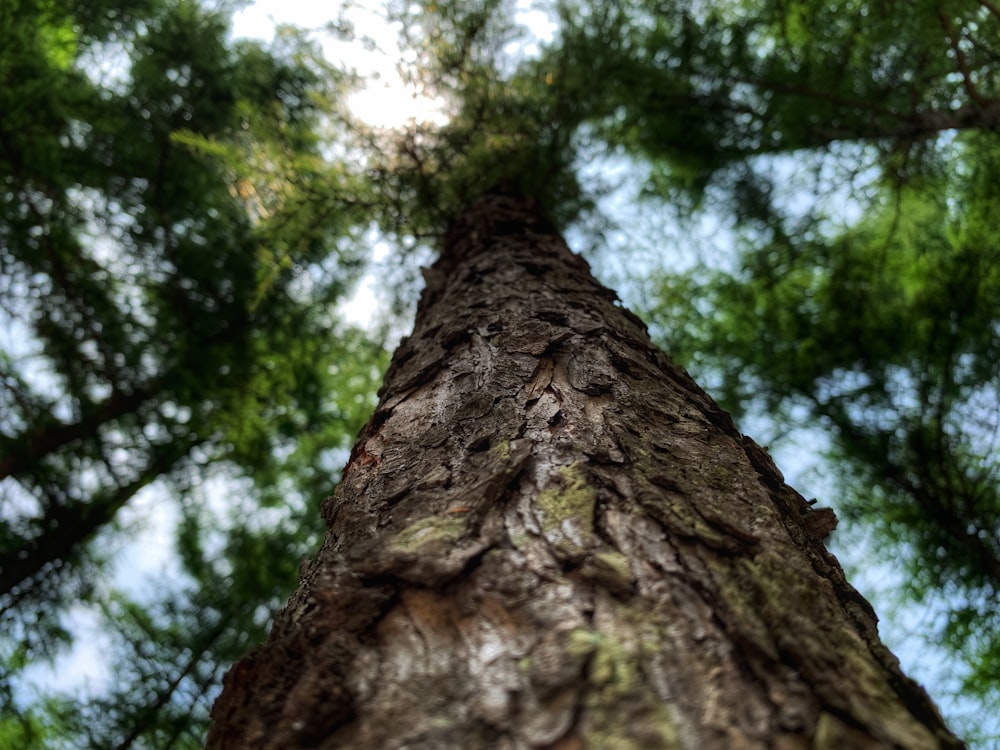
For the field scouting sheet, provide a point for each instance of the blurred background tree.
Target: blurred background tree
(173, 246)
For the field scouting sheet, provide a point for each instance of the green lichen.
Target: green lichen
(583, 641)
(434, 531)
(567, 512)
(829, 733)
(622, 715)
(609, 568)
(612, 669)
(519, 539)
(502, 450)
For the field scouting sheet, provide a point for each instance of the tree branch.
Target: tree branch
(74, 524)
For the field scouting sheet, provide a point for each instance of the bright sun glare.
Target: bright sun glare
(386, 100)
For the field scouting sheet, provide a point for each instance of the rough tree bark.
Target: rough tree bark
(549, 536)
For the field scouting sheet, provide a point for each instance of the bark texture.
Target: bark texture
(549, 536)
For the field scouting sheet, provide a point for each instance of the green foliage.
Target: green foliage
(39, 729)
(173, 246)
(700, 90)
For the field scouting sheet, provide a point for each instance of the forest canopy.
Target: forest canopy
(803, 194)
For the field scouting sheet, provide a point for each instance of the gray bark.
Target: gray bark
(549, 536)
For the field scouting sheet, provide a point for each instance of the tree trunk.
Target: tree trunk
(549, 536)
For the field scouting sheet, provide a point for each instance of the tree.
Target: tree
(228, 177)
(549, 535)
(851, 150)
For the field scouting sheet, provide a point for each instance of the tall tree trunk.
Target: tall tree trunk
(549, 536)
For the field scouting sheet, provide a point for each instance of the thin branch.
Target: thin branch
(991, 7)
(20, 454)
(163, 696)
(963, 66)
(77, 523)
